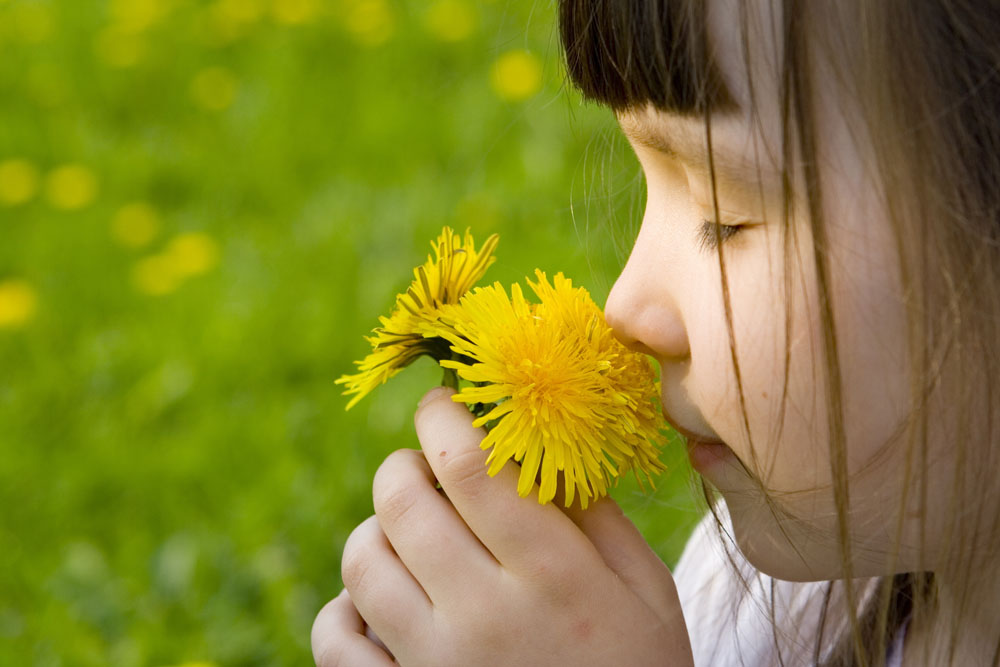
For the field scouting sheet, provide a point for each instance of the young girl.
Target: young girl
(816, 274)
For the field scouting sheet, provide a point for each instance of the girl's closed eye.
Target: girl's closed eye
(711, 234)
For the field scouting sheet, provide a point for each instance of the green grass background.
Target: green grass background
(177, 471)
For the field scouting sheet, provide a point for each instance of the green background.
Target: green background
(177, 471)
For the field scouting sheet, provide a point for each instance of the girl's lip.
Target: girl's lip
(705, 454)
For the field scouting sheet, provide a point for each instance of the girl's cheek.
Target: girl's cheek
(772, 327)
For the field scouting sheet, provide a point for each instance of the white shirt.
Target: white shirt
(729, 620)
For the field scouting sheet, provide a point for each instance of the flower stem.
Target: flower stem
(450, 379)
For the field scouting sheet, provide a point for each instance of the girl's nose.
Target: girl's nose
(642, 311)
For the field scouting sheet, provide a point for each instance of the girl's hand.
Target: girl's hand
(475, 575)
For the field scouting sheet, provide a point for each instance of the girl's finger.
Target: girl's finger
(383, 591)
(370, 634)
(519, 532)
(425, 531)
(627, 554)
(338, 637)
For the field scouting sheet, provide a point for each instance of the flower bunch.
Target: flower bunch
(556, 391)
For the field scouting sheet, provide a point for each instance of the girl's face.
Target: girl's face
(669, 300)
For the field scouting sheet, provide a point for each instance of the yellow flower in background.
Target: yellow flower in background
(412, 329)
(18, 182)
(123, 43)
(516, 75)
(186, 255)
(295, 12)
(135, 225)
(562, 396)
(71, 187)
(451, 20)
(138, 15)
(227, 20)
(155, 276)
(192, 254)
(370, 21)
(239, 11)
(214, 89)
(18, 302)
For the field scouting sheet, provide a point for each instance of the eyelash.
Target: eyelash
(711, 234)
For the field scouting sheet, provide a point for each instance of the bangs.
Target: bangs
(630, 53)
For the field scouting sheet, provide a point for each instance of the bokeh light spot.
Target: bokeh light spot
(135, 225)
(214, 89)
(192, 253)
(295, 12)
(239, 11)
(18, 302)
(227, 20)
(451, 20)
(371, 21)
(516, 75)
(18, 182)
(186, 255)
(71, 187)
(138, 15)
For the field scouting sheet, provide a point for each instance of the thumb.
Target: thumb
(627, 553)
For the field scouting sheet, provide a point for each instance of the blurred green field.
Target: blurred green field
(203, 207)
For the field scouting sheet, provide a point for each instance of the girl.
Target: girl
(816, 273)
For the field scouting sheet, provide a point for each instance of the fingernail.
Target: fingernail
(433, 395)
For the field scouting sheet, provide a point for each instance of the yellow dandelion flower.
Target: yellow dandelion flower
(295, 12)
(72, 187)
(451, 20)
(155, 275)
(135, 225)
(412, 329)
(18, 182)
(192, 253)
(138, 15)
(372, 22)
(516, 75)
(240, 11)
(185, 256)
(561, 395)
(227, 20)
(18, 302)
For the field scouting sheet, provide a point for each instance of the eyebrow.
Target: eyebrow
(688, 147)
(640, 133)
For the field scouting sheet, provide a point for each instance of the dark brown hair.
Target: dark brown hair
(926, 76)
